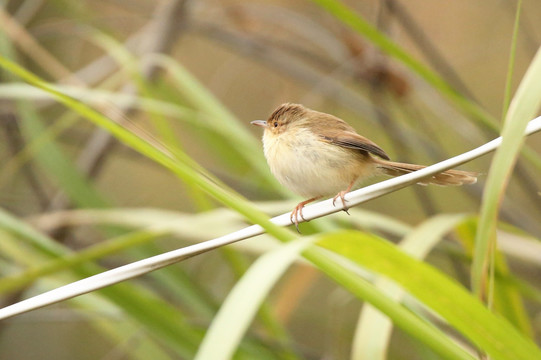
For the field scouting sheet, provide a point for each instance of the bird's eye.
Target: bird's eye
(275, 124)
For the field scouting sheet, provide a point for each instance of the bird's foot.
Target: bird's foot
(294, 217)
(341, 195)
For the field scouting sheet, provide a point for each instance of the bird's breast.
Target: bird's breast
(301, 161)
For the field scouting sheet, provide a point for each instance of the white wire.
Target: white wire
(317, 210)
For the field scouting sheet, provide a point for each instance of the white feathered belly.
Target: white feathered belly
(310, 167)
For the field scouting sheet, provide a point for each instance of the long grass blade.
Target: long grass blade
(373, 333)
(241, 305)
(524, 106)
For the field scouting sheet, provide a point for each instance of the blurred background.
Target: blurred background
(194, 74)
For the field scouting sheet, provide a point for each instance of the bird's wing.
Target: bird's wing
(338, 132)
(348, 138)
(355, 141)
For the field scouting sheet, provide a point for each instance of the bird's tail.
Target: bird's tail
(446, 178)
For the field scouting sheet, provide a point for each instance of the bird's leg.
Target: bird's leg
(341, 196)
(294, 217)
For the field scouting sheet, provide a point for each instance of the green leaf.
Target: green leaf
(490, 333)
(417, 327)
(507, 288)
(523, 108)
(374, 329)
(240, 307)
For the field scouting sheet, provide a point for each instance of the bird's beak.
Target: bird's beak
(261, 123)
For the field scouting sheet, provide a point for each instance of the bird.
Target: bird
(315, 154)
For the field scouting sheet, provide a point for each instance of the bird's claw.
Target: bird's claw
(341, 195)
(294, 217)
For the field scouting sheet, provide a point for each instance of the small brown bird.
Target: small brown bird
(316, 154)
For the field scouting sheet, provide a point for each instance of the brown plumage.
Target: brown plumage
(316, 154)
